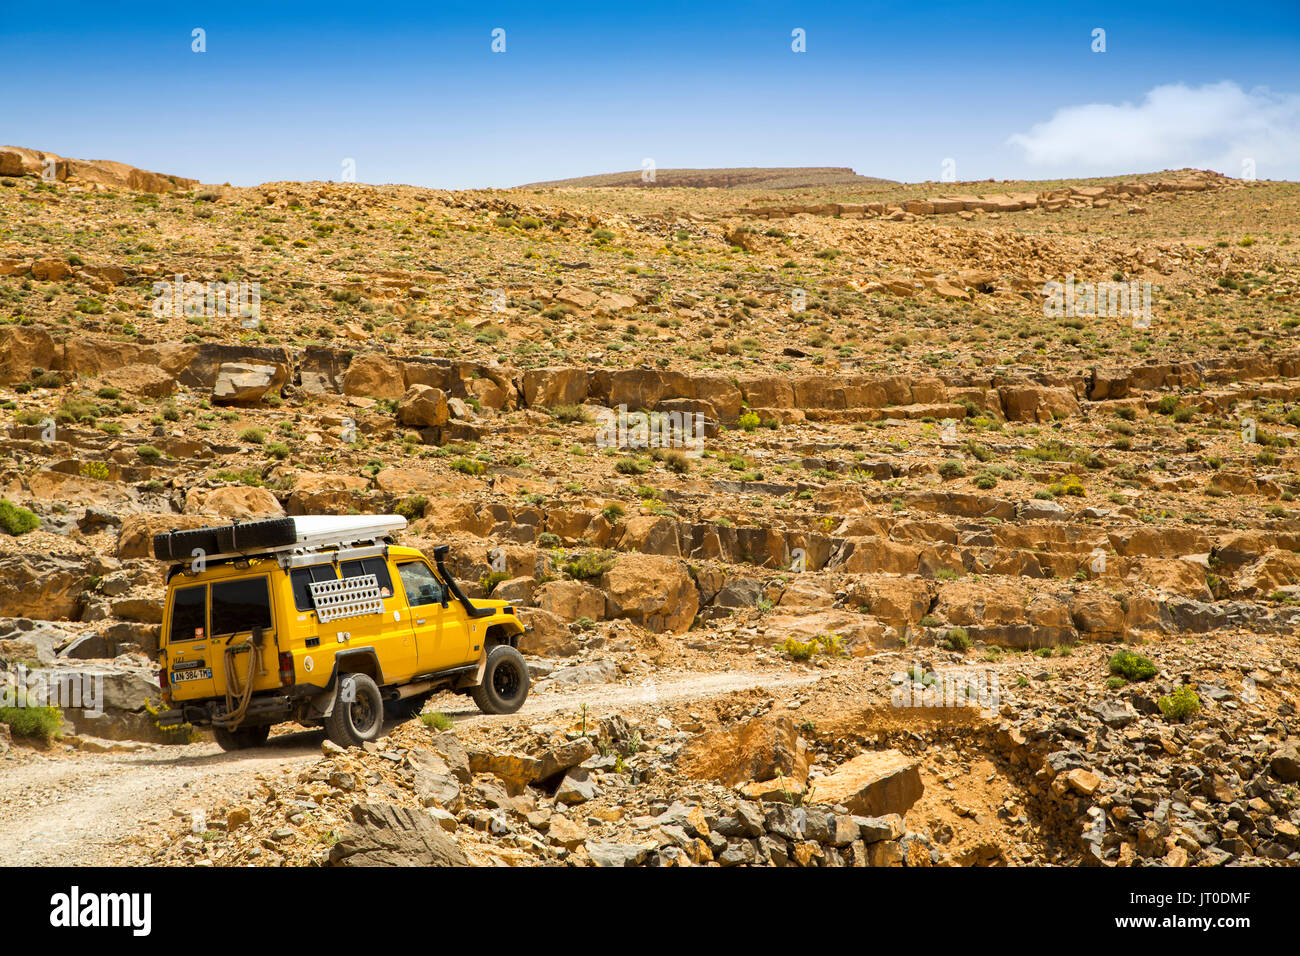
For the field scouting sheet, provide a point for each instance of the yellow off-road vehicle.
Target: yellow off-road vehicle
(323, 620)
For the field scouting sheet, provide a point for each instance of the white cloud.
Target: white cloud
(1215, 126)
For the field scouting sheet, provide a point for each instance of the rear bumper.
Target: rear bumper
(261, 710)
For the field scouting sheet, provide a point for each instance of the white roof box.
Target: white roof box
(316, 531)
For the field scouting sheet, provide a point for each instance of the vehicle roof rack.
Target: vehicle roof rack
(293, 541)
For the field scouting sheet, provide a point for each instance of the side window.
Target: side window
(422, 585)
(189, 608)
(376, 566)
(301, 577)
(240, 606)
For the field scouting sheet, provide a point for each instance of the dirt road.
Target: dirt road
(85, 809)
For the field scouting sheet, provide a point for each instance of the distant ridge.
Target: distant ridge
(796, 177)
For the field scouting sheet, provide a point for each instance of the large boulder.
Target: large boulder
(382, 834)
(653, 591)
(873, 784)
(233, 501)
(570, 600)
(201, 367)
(423, 407)
(243, 383)
(42, 586)
(1037, 403)
(548, 634)
(11, 163)
(548, 387)
(23, 349)
(651, 534)
(141, 381)
(376, 376)
(764, 748)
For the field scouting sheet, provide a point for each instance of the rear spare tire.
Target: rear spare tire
(505, 682)
(181, 545)
(358, 713)
(253, 535)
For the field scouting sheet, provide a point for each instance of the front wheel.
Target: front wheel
(505, 682)
(243, 738)
(358, 713)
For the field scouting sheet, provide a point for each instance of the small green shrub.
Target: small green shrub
(631, 466)
(412, 507)
(1132, 667)
(469, 466)
(957, 640)
(490, 580)
(16, 520)
(436, 721)
(32, 722)
(1179, 705)
(568, 414)
(591, 565)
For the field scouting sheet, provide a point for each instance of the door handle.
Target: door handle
(419, 620)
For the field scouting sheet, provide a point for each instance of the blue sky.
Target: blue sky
(413, 92)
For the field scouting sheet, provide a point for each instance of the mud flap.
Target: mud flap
(474, 677)
(321, 705)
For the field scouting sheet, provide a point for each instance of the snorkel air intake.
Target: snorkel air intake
(439, 553)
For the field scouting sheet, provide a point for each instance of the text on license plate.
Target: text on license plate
(204, 673)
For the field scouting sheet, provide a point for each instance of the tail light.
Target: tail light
(162, 678)
(286, 669)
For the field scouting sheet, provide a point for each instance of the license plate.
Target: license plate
(179, 677)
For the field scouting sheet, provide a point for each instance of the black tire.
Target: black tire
(180, 545)
(505, 682)
(406, 708)
(251, 535)
(243, 738)
(352, 723)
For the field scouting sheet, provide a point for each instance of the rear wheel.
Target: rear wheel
(358, 713)
(243, 738)
(505, 682)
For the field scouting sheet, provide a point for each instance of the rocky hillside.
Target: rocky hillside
(1001, 583)
(775, 178)
(51, 167)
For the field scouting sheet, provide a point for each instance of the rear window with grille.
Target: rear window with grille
(301, 577)
(376, 566)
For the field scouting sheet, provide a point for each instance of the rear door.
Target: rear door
(390, 632)
(441, 639)
(235, 607)
(189, 657)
